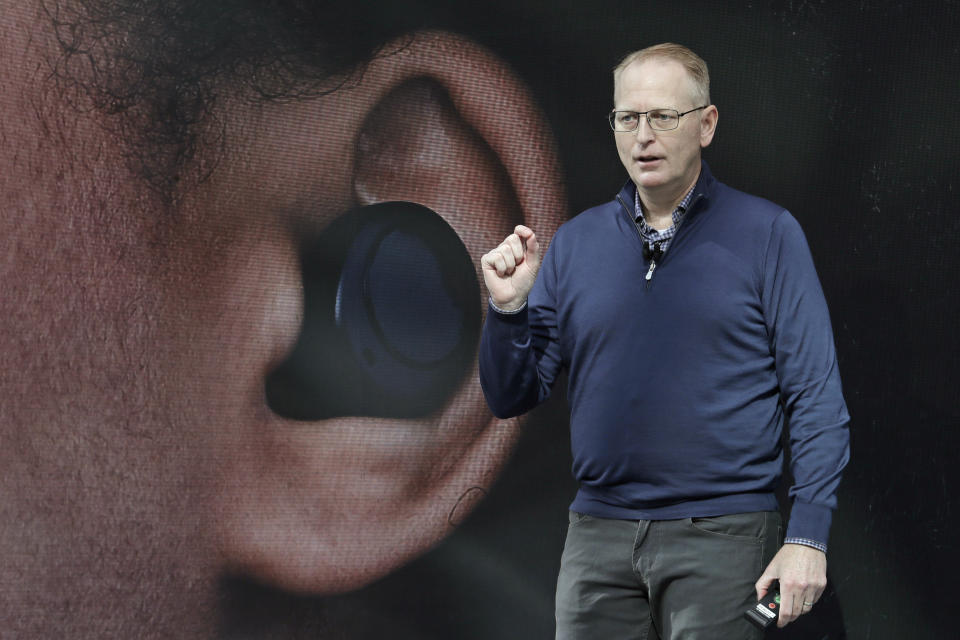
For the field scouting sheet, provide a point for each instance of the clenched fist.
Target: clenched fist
(510, 269)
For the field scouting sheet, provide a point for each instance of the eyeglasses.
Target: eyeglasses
(658, 119)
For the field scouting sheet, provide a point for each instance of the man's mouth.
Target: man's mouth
(647, 159)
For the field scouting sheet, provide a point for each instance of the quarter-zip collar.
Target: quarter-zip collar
(698, 203)
(701, 193)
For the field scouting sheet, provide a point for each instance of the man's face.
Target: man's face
(660, 162)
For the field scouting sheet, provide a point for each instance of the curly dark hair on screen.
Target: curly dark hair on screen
(156, 69)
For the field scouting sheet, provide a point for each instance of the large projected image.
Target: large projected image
(192, 399)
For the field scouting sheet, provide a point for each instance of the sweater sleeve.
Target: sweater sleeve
(519, 355)
(801, 340)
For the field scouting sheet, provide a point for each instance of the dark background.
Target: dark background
(845, 114)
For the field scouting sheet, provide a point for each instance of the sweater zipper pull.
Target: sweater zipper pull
(652, 254)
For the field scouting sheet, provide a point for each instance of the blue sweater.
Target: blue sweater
(679, 387)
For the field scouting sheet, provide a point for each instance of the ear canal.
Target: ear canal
(374, 276)
(369, 282)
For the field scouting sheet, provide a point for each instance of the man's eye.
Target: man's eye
(627, 118)
(661, 116)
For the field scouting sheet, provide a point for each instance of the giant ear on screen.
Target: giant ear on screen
(321, 503)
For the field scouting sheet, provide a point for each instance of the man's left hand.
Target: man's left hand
(802, 572)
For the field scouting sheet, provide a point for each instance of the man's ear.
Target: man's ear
(329, 505)
(708, 125)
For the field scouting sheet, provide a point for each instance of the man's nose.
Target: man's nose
(644, 131)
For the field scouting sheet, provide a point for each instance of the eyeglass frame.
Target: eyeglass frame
(646, 115)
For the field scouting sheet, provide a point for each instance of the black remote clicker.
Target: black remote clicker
(765, 612)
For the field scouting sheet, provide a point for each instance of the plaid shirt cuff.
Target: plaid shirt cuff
(807, 543)
(508, 313)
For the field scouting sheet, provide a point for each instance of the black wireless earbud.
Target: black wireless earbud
(391, 318)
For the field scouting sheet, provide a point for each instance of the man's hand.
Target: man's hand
(802, 572)
(510, 269)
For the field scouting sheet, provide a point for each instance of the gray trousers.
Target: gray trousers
(688, 579)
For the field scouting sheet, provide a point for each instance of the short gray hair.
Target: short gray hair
(694, 64)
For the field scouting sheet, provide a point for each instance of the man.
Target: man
(692, 325)
(163, 164)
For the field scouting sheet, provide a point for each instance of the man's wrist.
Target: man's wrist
(809, 524)
(820, 546)
(507, 311)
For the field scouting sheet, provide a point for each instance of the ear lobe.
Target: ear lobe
(331, 505)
